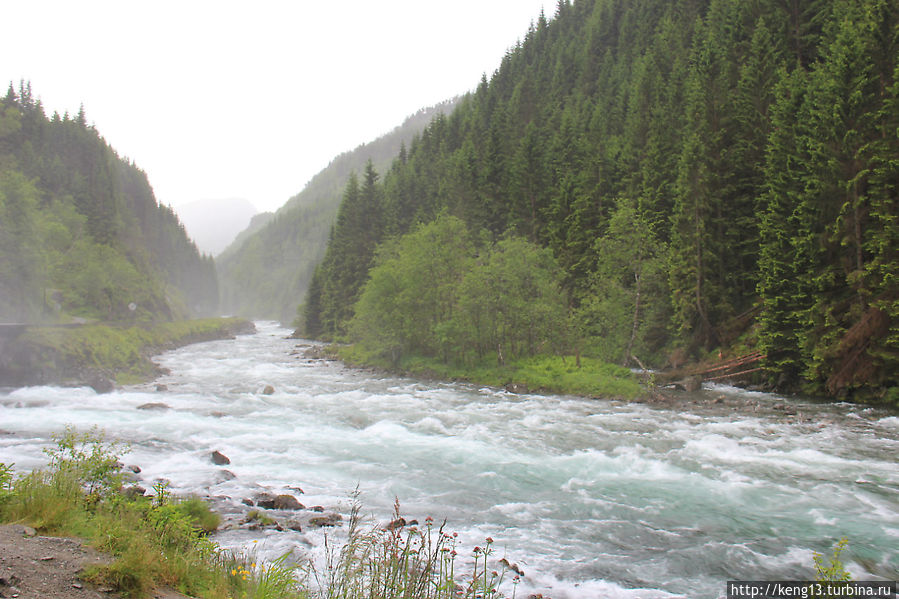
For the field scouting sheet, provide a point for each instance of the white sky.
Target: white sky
(249, 99)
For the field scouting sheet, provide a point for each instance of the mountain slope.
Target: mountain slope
(712, 176)
(266, 274)
(81, 234)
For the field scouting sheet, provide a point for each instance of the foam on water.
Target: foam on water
(593, 498)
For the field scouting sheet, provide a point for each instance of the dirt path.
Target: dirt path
(39, 567)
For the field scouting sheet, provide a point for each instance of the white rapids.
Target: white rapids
(592, 498)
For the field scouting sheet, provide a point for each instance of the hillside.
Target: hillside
(81, 234)
(711, 177)
(265, 274)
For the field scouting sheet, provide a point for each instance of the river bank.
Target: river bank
(102, 356)
(590, 497)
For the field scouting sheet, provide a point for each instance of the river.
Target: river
(592, 498)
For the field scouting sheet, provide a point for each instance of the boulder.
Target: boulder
(160, 387)
(100, 384)
(268, 390)
(294, 524)
(327, 520)
(220, 459)
(265, 501)
(516, 388)
(287, 502)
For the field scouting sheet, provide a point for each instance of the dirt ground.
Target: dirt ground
(38, 567)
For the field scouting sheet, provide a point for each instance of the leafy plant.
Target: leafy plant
(832, 569)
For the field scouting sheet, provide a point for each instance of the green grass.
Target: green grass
(164, 540)
(118, 352)
(543, 373)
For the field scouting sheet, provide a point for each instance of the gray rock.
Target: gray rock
(265, 501)
(328, 520)
(100, 384)
(268, 390)
(153, 405)
(287, 502)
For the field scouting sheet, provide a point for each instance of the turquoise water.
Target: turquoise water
(591, 498)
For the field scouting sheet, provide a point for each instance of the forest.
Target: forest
(652, 180)
(82, 236)
(270, 265)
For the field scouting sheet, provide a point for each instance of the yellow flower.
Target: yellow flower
(233, 572)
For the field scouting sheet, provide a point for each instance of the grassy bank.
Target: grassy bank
(66, 355)
(164, 540)
(543, 374)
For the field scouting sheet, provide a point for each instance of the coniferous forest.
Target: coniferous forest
(81, 233)
(265, 270)
(650, 179)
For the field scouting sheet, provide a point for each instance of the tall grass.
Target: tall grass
(164, 540)
(405, 562)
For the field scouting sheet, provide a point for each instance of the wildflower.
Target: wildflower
(453, 553)
(233, 572)
(477, 550)
(489, 540)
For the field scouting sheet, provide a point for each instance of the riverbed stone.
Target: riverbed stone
(265, 501)
(268, 390)
(100, 384)
(154, 405)
(287, 502)
(220, 459)
(326, 520)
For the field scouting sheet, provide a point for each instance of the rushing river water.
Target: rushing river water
(591, 498)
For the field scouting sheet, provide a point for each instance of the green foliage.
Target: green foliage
(89, 459)
(80, 230)
(626, 310)
(266, 273)
(754, 145)
(833, 569)
(431, 295)
(6, 484)
(123, 353)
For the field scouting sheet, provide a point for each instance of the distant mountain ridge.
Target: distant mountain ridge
(213, 224)
(265, 274)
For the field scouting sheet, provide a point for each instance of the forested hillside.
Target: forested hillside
(265, 274)
(708, 175)
(81, 234)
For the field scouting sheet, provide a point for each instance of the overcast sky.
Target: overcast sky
(221, 99)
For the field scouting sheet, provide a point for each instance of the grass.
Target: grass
(542, 373)
(164, 540)
(119, 352)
